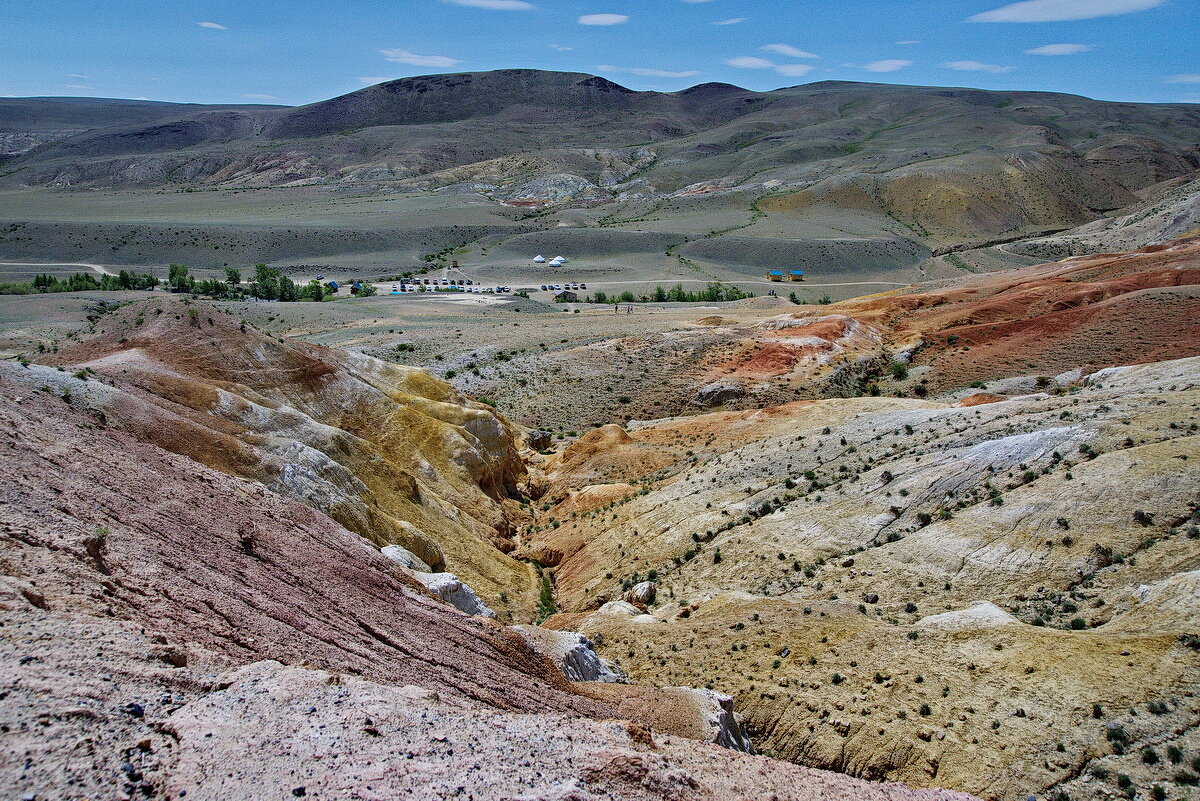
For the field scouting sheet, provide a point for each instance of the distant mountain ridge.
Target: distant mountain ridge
(950, 163)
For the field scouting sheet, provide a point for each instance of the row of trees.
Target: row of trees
(81, 282)
(715, 292)
(268, 284)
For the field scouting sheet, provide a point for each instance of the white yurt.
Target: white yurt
(539, 259)
(561, 259)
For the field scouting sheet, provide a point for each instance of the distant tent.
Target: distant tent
(539, 259)
(556, 262)
(560, 259)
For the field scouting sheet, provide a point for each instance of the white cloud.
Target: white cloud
(756, 63)
(405, 57)
(1059, 49)
(909, 41)
(730, 21)
(788, 50)
(976, 66)
(254, 96)
(750, 63)
(494, 5)
(1192, 78)
(794, 69)
(603, 19)
(80, 87)
(212, 25)
(78, 77)
(1063, 10)
(887, 65)
(560, 48)
(646, 72)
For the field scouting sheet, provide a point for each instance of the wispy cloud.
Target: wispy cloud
(756, 63)
(1190, 78)
(79, 77)
(646, 72)
(1063, 10)
(603, 19)
(494, 5)
(794, 70)
(750, 63)
(560, 48)
(79, 87)
(788, 50)
(256, 96)
(887, 65)
(1058, 49)
(401, 56)
(975, 66)
(909, 41)
(730, 21)
(216, 26)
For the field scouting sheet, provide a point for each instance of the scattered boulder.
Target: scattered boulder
(404, 558)
(455, 592)
(718, 393)
(979, 615)
(574, 653)
(726, 725)
(539, 440)
(643, 593)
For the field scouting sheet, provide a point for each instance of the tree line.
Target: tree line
(714, 292)
(81, 282)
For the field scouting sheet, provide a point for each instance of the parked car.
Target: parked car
(583, 286)
(544, 287)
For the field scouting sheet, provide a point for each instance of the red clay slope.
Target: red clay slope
(1090, 312)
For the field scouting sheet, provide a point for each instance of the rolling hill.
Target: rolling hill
(949, 165)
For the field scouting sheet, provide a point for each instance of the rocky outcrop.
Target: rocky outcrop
(389, 452)
(451, 589)
(717, 393)
(573, 652)
(644, 593)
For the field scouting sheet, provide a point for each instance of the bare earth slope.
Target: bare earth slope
(388, 451)
(1084, 313)
(920, 590)
(134, 583)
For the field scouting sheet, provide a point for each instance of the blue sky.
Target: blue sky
(300, 51)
